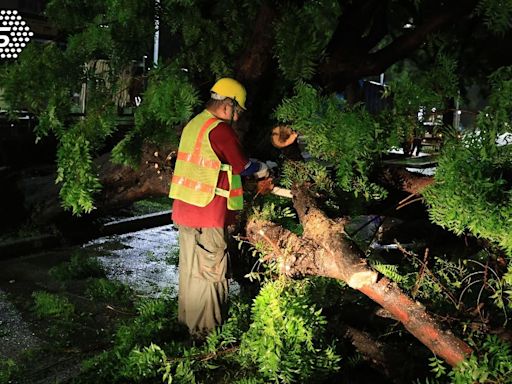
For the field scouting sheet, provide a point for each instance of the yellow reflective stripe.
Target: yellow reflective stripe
(226, 167)
(222, 192)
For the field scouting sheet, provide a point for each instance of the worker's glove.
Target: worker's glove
(263, 172)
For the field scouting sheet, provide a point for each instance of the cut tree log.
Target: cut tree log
(283, 136)
(323, 250)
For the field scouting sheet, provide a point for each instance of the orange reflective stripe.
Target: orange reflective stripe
(197, 159)
(236, 192)
(202, 131)
(192, 184)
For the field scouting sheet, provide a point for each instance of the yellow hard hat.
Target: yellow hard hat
(227, 87)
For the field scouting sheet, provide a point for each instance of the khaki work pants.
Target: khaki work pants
(203, 287)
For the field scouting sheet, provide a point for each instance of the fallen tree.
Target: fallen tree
(38, 194)
(323, 250)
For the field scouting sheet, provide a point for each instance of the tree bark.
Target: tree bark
(323, 250)
(351, 54)
(120, 185)
(379, 355)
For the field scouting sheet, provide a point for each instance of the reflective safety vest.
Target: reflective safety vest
(197, 169)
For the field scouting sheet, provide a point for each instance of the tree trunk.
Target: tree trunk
(323, 250)
(39, 195)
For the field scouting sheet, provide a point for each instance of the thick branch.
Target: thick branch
(406, 181)
(345, 65)
(324, 251)
(122, 184)
(257, 57)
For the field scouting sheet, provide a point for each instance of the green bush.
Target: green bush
(78, 267)
(346, 137)
(105, 289)
(8, 369)
(286, 337)
(47, 305)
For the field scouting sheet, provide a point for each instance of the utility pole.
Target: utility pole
(157, 33)
(456, 115)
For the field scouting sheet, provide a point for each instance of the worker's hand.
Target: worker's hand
(263, 172)
(264, 186)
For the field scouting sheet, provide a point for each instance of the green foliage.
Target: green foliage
(277, 210)
(199, 26)
(42, 81)
(496, 14)
(429, 89)
(301, 36)
(389, 270)
(44, 78)
(153, 317)
(144, 363)
(76, 173)
(150, 205)
(47, 305)
(311, 172)
(492, 363)
(500, 100)
(250, 380)
(232, 330)
(77, 268)
(32, 83)
(105, 28)
(484, 206)
(155, 321)
(173, 256)
(169, 100)
(346, 137)
(104, 289)
(285, 337)
(447, 285)
(271, 211)
(8, 369)
(506, 285)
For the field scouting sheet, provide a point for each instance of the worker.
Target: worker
(207, 190)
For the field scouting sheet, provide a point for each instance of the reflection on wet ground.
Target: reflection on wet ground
(144, 260)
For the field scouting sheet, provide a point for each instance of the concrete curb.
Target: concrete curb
(34, 244)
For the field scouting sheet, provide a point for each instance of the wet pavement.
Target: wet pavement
(15, 335)
(144, 260)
